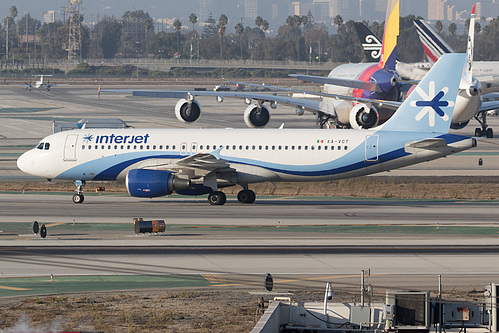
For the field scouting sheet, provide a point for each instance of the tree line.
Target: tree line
(134, 35)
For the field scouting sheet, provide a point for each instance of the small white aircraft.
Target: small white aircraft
(38, 83)
(158, 162)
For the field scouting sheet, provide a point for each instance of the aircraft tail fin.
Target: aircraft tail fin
(434, 46)
(430, 106)
(371, 44)
(467, 79)
(389, 50)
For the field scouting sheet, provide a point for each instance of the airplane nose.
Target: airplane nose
(22, 163)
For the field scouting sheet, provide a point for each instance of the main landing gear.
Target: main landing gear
(78, 197)
(219, 198)
(485, 130)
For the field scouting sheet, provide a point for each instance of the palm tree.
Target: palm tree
(439, 26)
(452, 28)
(259, 21)
(222, 22)
(239, 30)
(193, 19)
(177, 25)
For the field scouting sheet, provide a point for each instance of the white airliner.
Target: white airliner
(158, 162)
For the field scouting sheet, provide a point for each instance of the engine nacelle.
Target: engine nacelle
(363, 117)
(256, 116)
(145, 183)
(458, 126)
(187, 111)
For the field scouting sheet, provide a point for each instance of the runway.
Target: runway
(303, 242)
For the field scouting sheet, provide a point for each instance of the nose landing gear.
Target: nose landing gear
(78, 197)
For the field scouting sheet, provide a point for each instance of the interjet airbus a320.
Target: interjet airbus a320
(158, 162)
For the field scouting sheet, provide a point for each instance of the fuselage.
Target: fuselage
(252, 155)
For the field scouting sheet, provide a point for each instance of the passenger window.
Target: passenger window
(332, 147)
(102, 147)
(233, 147)
(135, 147)
(47, 146)
(227, 147)
(273, 147)
(325, 147)
(122, 147)
(253, 147)
(318, 147)
(247, 147)
(260, 147)
(83, 147)
(339, 147)
(173, 147)
(141, 147)
(167, 146)
(285, 147)
(40, 145)
(128, 147)
(89, 147)
(115, 147)
(299, 147)
(240, 147)
(153, 147)
(109, 147)
(266, 147)
(96, 147)
(346, 147)
(292, 147)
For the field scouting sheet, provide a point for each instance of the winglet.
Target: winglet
(430, 106)
(216, 153)
(389, 53)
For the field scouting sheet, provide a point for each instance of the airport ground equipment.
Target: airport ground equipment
(142, 227)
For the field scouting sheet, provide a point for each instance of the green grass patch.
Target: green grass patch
(63, 284)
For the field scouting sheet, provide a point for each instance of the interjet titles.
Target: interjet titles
(122, 138)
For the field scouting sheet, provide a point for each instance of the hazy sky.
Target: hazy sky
(156, 8)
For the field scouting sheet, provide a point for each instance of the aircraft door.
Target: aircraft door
(372, 148)
(194, 148)
(70, 147)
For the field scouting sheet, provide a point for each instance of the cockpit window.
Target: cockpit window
(47, 146)
(40, 146)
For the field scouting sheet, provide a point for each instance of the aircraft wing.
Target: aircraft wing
(198, 165)
(356, 84)
(488, 106)
(308, 104)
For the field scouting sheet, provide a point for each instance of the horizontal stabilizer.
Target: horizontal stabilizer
(356, 84)
(428, 144)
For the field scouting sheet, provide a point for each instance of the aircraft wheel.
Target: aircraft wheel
(489, 133)
(78, 198)
(478, 132)
(246, 196)
(217, 198)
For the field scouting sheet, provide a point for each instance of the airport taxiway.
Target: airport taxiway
(27, 117)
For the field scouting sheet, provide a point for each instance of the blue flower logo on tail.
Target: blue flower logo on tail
(432, 105)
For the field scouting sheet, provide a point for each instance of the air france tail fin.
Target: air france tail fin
(434, 46)
(430, 106)
(389, 51)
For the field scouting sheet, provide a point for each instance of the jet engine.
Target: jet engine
(256, 115)
(187, 111)
(458, 126)
(363, 116)
(145, 183)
